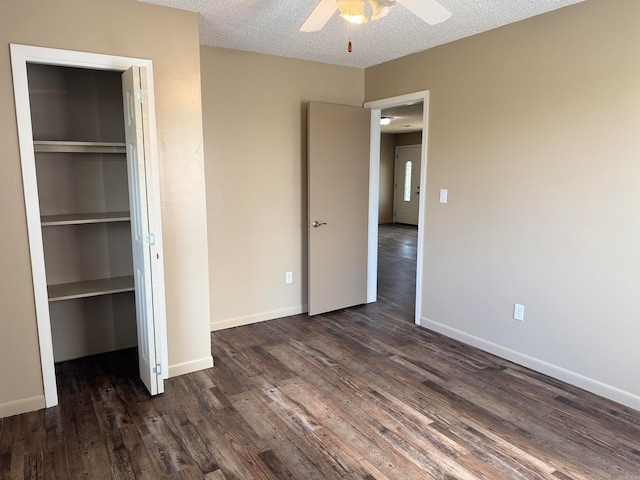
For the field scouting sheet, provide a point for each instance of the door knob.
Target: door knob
(317, 224)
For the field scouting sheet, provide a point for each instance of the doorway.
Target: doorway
(377, 108)
(94, 227)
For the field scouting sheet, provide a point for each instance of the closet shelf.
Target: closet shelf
(90, 288)
(83, 218)
(78, 147)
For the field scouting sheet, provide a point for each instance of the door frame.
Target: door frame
(20, 56)
(376, 107)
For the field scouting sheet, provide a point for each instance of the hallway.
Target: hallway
(397, 251)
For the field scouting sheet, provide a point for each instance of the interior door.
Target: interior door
(338, 205)
(134, 90)
(406, 203)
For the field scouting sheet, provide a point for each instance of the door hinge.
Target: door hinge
(150, 239)
(157, 369)
(141, 95)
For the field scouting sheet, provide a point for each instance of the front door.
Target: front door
(406, 203)
(338, 205)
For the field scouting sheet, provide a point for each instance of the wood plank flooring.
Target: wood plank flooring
(355, 394)
(397, 257)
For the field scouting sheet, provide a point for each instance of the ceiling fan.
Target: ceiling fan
(354, 11)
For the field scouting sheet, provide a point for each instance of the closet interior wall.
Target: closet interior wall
(81, 168)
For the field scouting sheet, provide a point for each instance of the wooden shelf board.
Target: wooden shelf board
(83, 218)
(90, 288)
(78, 147)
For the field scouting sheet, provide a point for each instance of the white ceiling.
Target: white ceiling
(272, 27)
(404, 118)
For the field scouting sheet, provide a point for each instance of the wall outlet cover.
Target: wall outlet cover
(518, 312)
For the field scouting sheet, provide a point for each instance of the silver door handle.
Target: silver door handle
(317, 224)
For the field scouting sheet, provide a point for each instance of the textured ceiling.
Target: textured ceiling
(404, 118)
(271, 26)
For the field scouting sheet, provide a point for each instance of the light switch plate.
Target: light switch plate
(518, 312)
(443, 195)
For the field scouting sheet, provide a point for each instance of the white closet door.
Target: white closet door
(142, 236)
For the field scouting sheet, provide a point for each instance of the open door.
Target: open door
(338, 205)
(136, 114)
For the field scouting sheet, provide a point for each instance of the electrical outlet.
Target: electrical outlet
(288, 277)
(518, 312)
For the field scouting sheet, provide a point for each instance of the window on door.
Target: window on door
(407, 181)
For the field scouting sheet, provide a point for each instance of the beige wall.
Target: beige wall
(121, 27)
(534, 131)
(387, 174)
(254, 120)
(411, 138)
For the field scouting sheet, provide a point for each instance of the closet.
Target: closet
(81, 170)
(87, 146)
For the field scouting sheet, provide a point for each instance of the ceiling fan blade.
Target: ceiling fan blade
(320, 16)
(428, 10)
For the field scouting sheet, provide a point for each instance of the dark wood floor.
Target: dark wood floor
(397, 257)
(359, 393)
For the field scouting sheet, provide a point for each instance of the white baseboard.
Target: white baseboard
(190, 367)
(21, 406)
(31, 404)
(260, 317)
(613, 393)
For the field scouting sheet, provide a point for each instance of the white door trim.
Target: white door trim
(20, 56)
(374, 190)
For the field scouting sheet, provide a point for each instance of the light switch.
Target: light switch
(443, 195)
(518, 312)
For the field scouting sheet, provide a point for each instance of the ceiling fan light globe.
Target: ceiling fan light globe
(380, 8)
(352, 10)
(355, 19)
